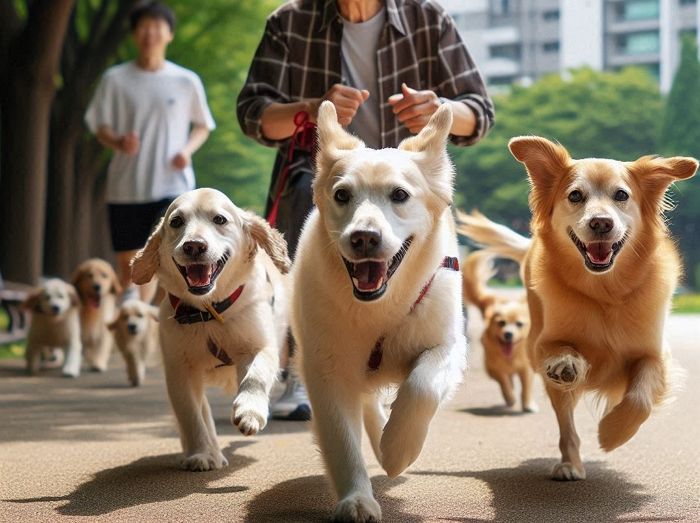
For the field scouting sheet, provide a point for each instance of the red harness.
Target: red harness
(375, 357)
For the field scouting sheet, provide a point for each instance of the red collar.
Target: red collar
(186, 314)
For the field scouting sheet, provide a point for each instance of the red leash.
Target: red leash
(304, 137)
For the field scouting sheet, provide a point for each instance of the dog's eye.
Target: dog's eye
(399, 196)
(342, 196)
(139, 315)
(501, 323)
(519, 324)
(575, 196)
(176, 222)
(220, 220)
(621, 196)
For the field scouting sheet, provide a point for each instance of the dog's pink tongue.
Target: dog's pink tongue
(369, 275)
(507, 348)
(599, 252)
(199, 275)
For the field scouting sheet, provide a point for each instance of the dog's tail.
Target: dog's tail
(498, 238)
(648, 387)
(477, 269)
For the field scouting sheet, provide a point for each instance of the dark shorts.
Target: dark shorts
(131, 223)
(296, 204)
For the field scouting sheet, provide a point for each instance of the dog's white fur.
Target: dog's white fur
(55, 324)
(253, 328)
(424, 351)
(136, 334)
(98, 288)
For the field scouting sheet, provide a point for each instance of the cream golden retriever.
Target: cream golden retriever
(55, 324)
(377, 301)
(506, 325)
(136, 334)
(224, 320)
(98, 287)
(600, 272)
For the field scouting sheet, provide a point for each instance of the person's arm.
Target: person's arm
(198, 135)
(127, 143)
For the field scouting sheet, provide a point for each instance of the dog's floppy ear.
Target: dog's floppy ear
(146, 262)
(78, 275)
(655, 174)
(74, 298)
(432, 158)
(333, 140)
(116, 285)
(546, 162)
(271, 241)
(154, 312)
(31, 302)
(114, 323)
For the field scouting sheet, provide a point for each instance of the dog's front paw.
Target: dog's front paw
(203, 461)
(568, 472)
(531, 407)
(249, 413)
(357, 508)
(566, 371)
(401, 444)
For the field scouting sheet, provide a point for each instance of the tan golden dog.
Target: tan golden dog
(600, 273)
(98, 287)
(55, 324)
(136, 334)
(507, 323)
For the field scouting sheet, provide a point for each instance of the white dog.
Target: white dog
(55, 324)
(136, 333)
(225, 318)
(377, 301)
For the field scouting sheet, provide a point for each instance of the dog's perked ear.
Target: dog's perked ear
(146, 262)
(655, 174)
(333, 140)
(546, 162)
(431, 145)
(269, 239)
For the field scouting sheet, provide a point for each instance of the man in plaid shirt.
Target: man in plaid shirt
(386, 65)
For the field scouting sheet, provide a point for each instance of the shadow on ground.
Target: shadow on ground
(310, 499)
(495, 411)
(147, 480)
(527, 495)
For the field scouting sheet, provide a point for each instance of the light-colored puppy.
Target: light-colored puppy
(377, 301)
(98, 287)
(55, 324)
(600, 272)
(225, 318)
(136, 334)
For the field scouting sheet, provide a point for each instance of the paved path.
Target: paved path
(95, 448)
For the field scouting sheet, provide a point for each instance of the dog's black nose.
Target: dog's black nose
(96, 287)
(601, 224)
(195, 247)
(366, 242)
(131, 328)
(508, 336)
(55, 309)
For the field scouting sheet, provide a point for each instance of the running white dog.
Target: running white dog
(136, 334)
(378, 301)
(225, 319)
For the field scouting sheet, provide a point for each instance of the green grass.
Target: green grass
(11, 350)
(686, 303)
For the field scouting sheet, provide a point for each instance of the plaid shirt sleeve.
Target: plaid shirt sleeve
(458, 79)
(267, 82)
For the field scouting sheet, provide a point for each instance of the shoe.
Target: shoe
(293, 404)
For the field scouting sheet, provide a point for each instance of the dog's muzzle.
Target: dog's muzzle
(598, 256)
(200, 277)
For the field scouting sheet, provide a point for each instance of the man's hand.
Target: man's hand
(129, 143)
(181, 160)
(346, 101)
(414, 108)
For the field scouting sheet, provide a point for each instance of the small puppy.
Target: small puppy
(136, 334)
(55, 324)
(507, 323)
(600, 272)
(225, 318)
(98, 287)
(377, 301)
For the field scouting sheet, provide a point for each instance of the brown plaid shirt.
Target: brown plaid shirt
(299, 58)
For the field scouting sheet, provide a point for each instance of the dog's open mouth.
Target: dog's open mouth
(200, 277)
(369, 278)
(507, 348)
(94, 300)
(598, 256)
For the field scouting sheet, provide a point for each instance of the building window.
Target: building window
(550, 47)
(509, 51)
(551, 16)
(639, 10)
(646, 42)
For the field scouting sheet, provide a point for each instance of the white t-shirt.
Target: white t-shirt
(160, 106)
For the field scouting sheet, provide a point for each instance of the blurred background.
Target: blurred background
(607, 78)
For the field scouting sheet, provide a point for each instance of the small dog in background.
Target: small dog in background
(55, 324)
(136, 334)
(98, 288)
(506, 325)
